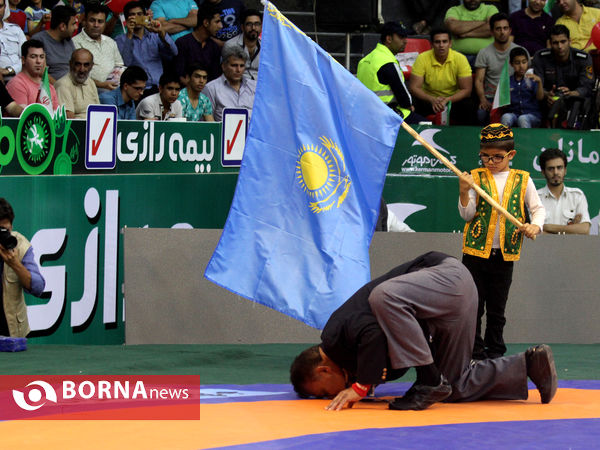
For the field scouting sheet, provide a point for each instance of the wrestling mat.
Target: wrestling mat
(269, 416)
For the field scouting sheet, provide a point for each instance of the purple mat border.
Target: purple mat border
(285, 391)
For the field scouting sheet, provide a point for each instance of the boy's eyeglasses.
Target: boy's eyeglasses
(495, 158)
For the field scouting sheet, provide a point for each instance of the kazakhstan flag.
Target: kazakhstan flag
(298, 232)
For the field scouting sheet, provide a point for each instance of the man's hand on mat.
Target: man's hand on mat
(345, 397)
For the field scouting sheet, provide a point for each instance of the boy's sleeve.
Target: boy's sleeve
(468, 212)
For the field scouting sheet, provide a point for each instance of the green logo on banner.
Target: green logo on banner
(35, 141)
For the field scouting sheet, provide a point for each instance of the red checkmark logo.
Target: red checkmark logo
(96, 144)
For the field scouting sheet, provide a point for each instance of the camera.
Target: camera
(142, 20)
(7, 240)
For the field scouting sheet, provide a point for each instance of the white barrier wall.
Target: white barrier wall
(554, 297)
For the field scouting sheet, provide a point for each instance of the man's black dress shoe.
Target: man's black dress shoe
(420, 397)
(541, 370)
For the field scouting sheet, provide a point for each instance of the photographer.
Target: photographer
(19, 271)
(145, 44)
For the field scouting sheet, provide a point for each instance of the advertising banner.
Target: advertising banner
(424, 193)
(171, 175)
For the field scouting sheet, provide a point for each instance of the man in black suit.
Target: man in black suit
(420, 314)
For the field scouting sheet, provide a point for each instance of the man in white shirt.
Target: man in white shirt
(163, 105)
(105, 50)
(11, 40)
(231, 90)
(566, 208)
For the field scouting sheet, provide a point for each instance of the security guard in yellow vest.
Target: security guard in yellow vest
(380, 72)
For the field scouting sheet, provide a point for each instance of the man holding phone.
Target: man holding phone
(145, 44)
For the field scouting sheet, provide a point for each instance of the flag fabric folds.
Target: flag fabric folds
(45, 96)
(298, 232)
(502, 95)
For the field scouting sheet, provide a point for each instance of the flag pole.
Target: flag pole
(454, 169)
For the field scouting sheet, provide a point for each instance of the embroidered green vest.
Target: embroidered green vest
(479, 232)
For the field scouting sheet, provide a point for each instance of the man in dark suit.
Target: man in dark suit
(420, 314)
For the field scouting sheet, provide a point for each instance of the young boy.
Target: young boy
(164, 104)
(491, 243)
(525, 92)
(17, 16)
(38, 17)
(196, 106)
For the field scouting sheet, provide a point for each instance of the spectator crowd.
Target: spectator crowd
(189, 60)
(154, 60)
(542, 64)
(195, 58)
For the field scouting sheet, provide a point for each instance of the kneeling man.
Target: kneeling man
(421, 314)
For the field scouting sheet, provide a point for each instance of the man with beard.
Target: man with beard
(489, 63)
(580, 20)
(76, 90)
(566, 208)
(469, 25)
(249, 40)
(531, 26)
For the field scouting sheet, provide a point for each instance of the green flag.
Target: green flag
(502, 96)
(45, 97)
(549, 5)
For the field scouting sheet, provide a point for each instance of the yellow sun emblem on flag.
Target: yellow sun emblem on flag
(321, 173)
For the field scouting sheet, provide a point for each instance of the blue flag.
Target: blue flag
(307, 199)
